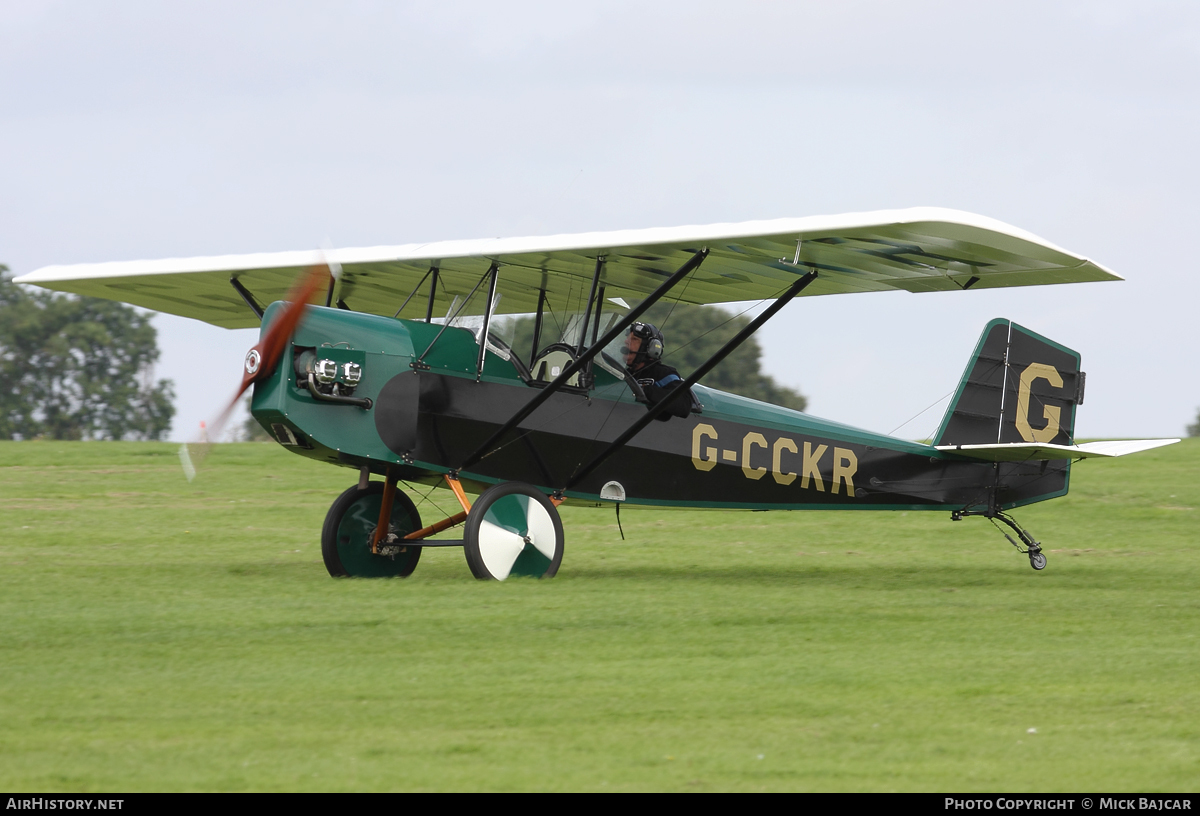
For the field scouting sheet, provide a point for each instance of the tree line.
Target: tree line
(77, 368)
(692, 335)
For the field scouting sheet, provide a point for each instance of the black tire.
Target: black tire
(346, 535)
(1037, 561)
(513, 529)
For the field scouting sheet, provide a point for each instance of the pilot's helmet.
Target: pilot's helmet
(651, 349)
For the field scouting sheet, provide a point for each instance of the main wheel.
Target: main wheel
(513, 529)
(346, 536)
(1037, 561)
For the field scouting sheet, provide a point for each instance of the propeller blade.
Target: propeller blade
(272, 343)
(261, 360)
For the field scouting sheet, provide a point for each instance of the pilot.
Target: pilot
(643, 352)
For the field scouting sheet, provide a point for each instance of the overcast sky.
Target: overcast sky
(142, 130)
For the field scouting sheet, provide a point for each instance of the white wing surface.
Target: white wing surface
(916, 250)
(1036, 452)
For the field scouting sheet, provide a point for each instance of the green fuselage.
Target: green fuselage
(733, 453)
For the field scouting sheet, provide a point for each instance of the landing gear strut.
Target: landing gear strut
(1037, 559)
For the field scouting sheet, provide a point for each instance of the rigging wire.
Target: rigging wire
(675, 302)
(922, 411)
(553, 316)
(722, 324)
(425, 497)
(592, 444)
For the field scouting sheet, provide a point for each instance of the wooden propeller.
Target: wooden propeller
(262, 359)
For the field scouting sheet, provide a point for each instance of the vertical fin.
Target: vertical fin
(1018, 387)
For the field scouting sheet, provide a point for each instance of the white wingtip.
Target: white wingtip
(1123, 447)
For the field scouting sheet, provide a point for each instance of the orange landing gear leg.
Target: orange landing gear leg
(385, 513)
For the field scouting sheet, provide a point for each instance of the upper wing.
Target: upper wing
(922, 249)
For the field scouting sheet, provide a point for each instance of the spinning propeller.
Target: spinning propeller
(262, 359)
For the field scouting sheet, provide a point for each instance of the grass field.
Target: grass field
(165, 636)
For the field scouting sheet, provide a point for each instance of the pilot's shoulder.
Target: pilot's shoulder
(660, 370)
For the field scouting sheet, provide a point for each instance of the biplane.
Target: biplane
(405, 375)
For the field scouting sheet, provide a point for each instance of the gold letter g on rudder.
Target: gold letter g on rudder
(1052, 413)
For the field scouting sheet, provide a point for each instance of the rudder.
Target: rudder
(1018, 387)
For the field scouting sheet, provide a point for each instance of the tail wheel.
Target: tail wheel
(513, 529)
(346, 536)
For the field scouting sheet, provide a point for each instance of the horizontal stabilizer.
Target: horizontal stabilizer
(1034, 451)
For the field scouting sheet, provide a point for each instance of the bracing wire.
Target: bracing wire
(425, 497)
(592, 442)
(922, 411)
(675, 302)
(720, 325)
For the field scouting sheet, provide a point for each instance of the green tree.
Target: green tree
(1194, 430)
(693, 334)
(77, 368)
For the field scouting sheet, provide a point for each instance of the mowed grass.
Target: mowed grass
(164, 636)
